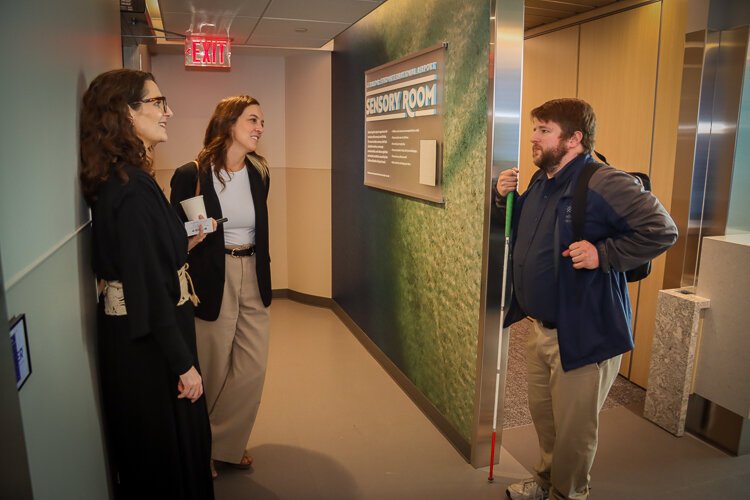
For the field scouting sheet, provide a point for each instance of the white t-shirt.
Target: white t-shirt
(236, 201)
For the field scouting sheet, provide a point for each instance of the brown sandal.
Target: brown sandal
(245, 462)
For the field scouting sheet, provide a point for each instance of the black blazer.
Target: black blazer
(206, 260)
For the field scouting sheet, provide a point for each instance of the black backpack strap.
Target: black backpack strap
(579, 213)
(643, 179)
(601, 157)
(579, 199)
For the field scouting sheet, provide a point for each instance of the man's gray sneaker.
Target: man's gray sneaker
(528, 489)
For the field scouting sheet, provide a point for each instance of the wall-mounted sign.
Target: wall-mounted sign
(138, 6)
(19, 343)
(404, 125)
(208, 51)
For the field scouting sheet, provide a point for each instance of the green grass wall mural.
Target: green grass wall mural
(409, 271)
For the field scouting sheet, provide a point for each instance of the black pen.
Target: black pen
(223, 219)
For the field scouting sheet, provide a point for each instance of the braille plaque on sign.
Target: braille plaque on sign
(404, 125)
(207, 51)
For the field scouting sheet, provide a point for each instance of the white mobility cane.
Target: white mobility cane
(508, 215)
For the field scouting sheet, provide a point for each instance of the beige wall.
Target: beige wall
(277, 220)
(308, 150)
(295, 94)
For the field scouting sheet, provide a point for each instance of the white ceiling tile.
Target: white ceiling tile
(239, 27)
(287, 41)
(249, 8)
(284, 27)
(176, 23)
(348, 11)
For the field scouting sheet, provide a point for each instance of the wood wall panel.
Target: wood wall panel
(550, 71)
(666, 121)
(617, 76)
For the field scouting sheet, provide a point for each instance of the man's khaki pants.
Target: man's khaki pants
(233, 354)
(565, 409)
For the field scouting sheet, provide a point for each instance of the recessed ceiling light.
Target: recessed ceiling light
(300, 30)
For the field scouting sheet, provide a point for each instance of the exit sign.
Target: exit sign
(205, 51)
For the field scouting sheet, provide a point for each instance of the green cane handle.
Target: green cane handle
(508, 213)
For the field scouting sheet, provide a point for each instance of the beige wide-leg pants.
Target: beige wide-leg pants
(233, 354)
(565, 409)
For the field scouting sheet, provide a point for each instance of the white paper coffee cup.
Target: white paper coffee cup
(194, 207)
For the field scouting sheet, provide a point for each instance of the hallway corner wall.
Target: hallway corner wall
(406, 271)
(308, 172)
(57, 48)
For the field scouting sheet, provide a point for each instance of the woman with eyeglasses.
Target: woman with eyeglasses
(156, 423)
(231, 272)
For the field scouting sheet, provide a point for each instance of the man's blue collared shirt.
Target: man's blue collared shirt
(534, 276)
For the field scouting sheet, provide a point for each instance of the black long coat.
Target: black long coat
(159, 446)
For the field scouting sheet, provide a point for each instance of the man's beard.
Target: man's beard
(550, 159)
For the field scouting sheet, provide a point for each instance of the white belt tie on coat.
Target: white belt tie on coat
(114, 297)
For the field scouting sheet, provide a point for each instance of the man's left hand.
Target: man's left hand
(583, 254)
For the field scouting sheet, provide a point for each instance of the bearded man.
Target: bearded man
(575, 292)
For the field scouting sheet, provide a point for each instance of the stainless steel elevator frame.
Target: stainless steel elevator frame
(505, 77)
(712, 80)
(715, 67)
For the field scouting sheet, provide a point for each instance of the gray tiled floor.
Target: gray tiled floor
(638, 460)
(333, 425)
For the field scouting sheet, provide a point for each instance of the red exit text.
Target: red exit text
(202, 51)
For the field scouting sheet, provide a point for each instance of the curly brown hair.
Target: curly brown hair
(219, 137)
(572, 115)
(107, 136)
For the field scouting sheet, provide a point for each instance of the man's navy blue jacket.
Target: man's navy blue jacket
(629, 227)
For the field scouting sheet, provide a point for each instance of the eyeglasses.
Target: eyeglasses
(160, 101)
